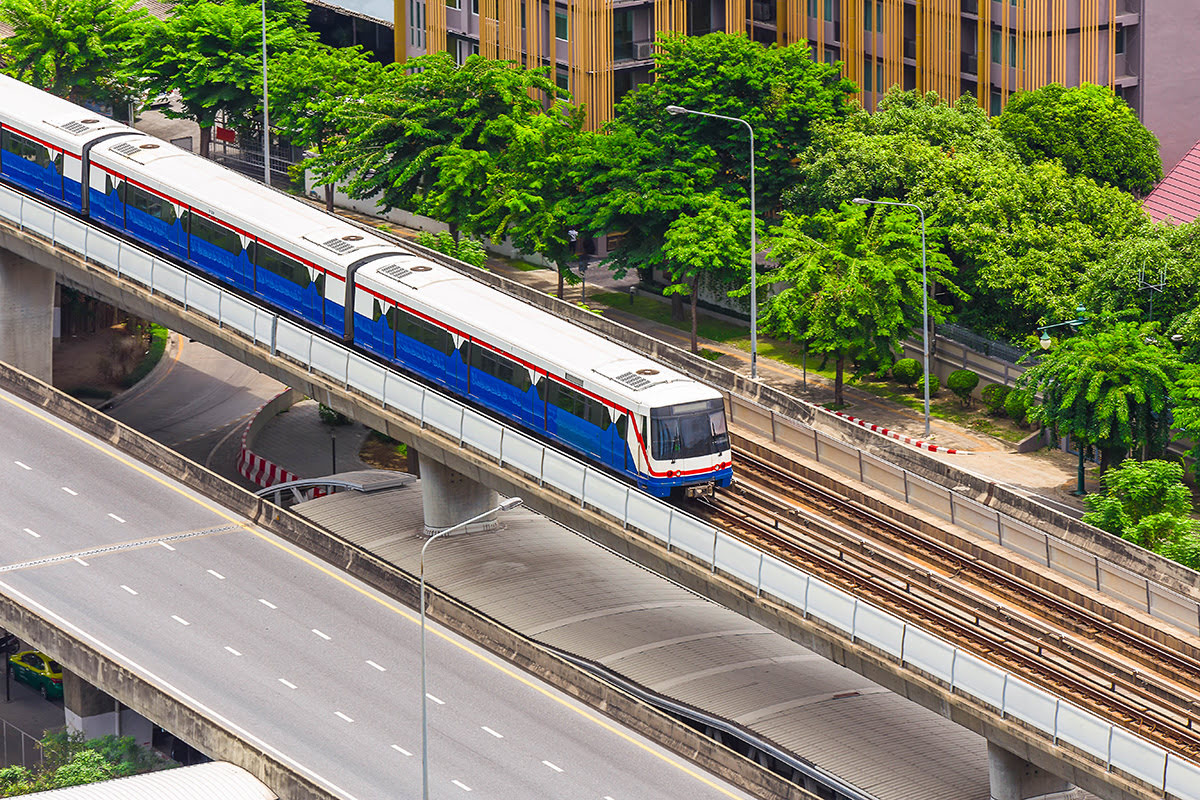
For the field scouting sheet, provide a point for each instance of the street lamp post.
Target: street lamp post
(676, 111)
(862, 201)
(507, 505)
(1045, 342)
(266, 117)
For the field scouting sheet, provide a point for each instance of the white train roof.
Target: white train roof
(53, 117)
(528, 332)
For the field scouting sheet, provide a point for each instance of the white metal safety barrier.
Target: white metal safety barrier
(766, 575)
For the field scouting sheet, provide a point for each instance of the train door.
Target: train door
(36, 166)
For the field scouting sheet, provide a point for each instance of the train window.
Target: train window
(499, 367)
(214, 233)
(115, 186)
(27, 149)
(421, 331)
(281, 265)
(579, 404)
(152, 204)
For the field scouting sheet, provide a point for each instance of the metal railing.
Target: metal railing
(764, 575)
(981, 344)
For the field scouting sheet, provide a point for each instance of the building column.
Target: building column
(26, 315)
(1013, 778)
(94, 713)
(449, 498)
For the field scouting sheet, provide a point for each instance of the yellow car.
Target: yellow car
(39, 671)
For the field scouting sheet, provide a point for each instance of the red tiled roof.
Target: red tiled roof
(1177, 196)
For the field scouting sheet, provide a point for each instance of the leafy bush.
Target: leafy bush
(1016, 405)
(962, 382)
(465, 249)
(158, 346)
(994, 395)
(934, 385)
(906, 371)
(331, 417)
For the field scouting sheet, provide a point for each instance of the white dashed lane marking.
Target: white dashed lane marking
(461, 785)
(324, 636)
(118, 519)
(376, 666)
(216, 575)
(552, 766)
(230, 649)
(180, 620)
(22, 466)
(434, 699)
(267, 603)
(126, 588)
(287, 683)
(401, 750)
(164, 544)
(81, 561)
(34, 534)
(343, 716)
(70, 491)
(493, 733)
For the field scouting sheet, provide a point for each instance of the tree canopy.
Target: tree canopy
(1147, 503)
(1109, 386)
(211, 53)
(1089, 129)
(79, 49)
(853, 286)
(653, 167)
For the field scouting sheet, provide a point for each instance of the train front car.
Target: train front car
(687, 443)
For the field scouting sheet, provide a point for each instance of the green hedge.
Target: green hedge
(158, 346)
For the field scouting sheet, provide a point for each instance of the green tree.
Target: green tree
(1089, 129)
(78, 49)
(652, 167)
(711, 244)
(308, 87)
(419, 111)
(1107, 386)
(891, 151)
(526, 190)
(211, 53)
(853, 283)
(1147, 503)
(1156, 254)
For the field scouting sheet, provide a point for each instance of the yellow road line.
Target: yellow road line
(399, 610)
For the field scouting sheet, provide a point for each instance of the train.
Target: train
(658, 428)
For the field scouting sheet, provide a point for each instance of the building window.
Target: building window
(995, 47)
(879, 16)
(562, 80)
(812, 8)
(868, 7)
(455, 4)
(475, 7)
(995, 108)
(867, 75)
(879, 78)
(1012, 49)
(1119, 41)
(830, 55)
(560, 25)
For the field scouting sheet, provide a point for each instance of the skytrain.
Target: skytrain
(659, 428)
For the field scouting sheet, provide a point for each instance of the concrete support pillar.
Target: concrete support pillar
(1013, 778)
(94, 713)
(449, 498)
(26, 315)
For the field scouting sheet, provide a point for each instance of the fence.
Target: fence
(20, 748)
(959, 671)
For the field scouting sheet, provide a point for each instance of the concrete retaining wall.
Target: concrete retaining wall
(189, 719)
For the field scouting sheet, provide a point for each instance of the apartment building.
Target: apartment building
(600, 49)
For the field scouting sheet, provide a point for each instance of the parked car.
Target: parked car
(39, 671)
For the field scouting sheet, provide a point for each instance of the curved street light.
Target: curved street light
(862, 201)
(507, 505)
(676, 111)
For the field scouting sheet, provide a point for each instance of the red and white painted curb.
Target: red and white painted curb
(254, 467)
(919, 443)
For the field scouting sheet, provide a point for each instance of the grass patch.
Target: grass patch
(518, 264)
(158, 346)
(657, 311)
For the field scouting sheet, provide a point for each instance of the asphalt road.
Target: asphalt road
(317, 667)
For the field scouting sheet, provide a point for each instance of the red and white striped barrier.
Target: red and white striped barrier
(933, 448)
(254, 467)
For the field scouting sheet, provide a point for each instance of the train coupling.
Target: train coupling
(702, 490)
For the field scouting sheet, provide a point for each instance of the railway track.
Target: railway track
(1149, 686)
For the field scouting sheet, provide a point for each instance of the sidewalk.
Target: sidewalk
(1047, 474)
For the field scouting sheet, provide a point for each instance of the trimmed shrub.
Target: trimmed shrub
(1016, 405)
(962, 382)
(906, 371)
(934, 385)
(994, 395)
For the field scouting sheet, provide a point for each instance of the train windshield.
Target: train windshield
(687, 430)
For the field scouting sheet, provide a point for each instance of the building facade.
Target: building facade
(990, 48)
